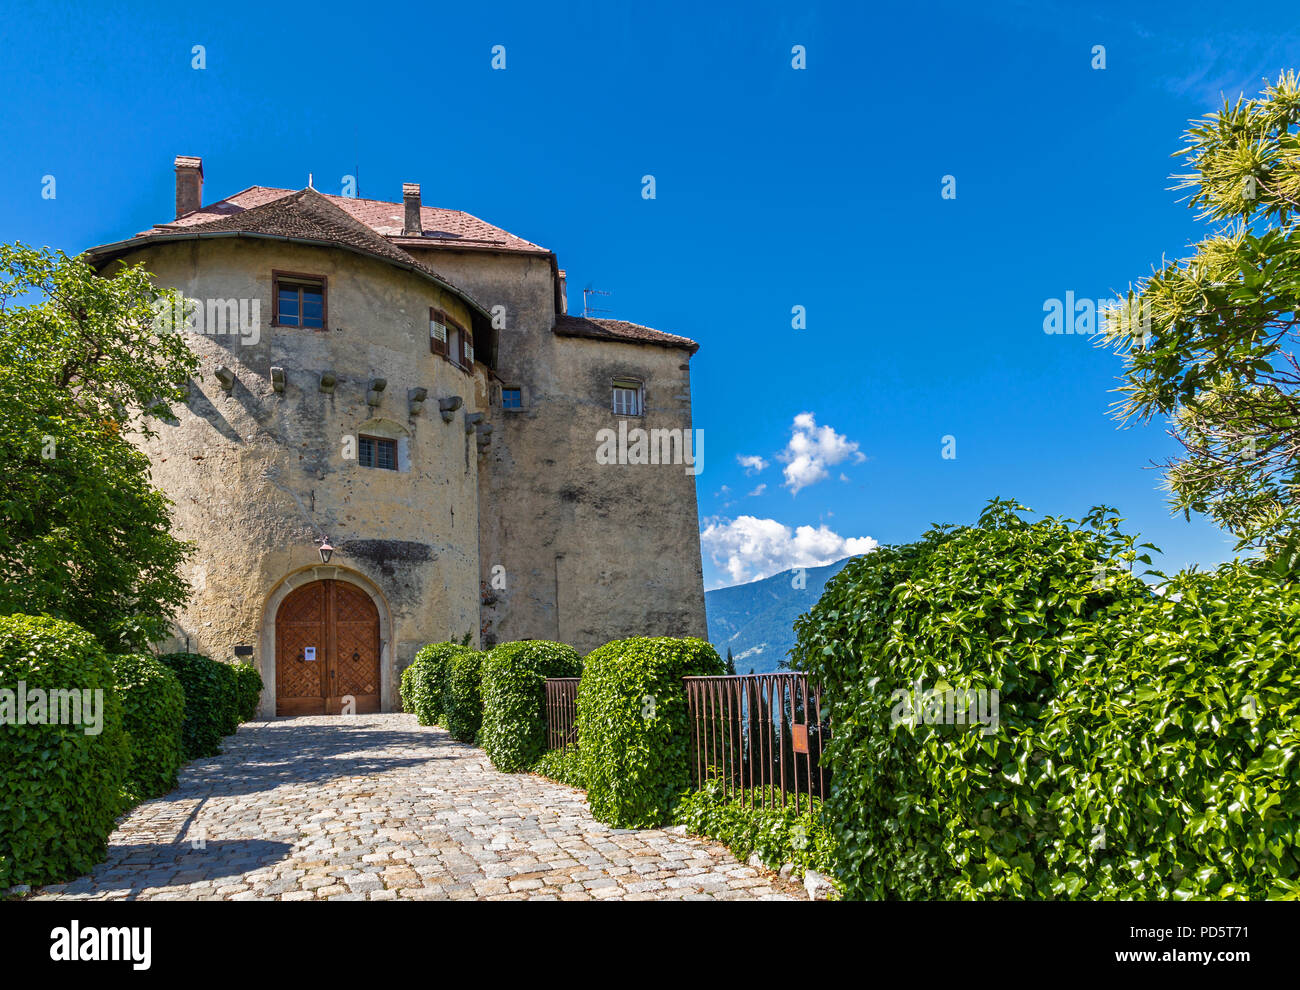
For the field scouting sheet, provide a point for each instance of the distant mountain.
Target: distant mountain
(756, 620)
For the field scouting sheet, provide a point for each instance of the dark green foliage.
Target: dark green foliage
(633, 726)
(743, 823)
(561, 765)
(514, 699)
(59, 787)
(462, 696)
(229, 698)
(209, 700)
(407, 686)
(1119, 764)
(1179, 746)
(424, 680)
(248, 683)
(153, 711)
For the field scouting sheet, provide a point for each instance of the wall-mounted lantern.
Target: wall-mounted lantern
(325, 551)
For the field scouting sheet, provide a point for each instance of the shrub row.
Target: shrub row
(634, 728)
(514, 699)
(86, 735)
(1139, 746)
(425, 680)
(60, 785)
(153, 712)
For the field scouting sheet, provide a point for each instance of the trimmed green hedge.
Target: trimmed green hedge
(249, 685)
(424, 681)
(153, 711)
(60, 788)
(514, 699)
(462, 696)
(634, 728)
(210, 702)
(1121, 759)
(230, 697)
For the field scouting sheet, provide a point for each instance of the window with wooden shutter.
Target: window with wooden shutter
(468, 361)
(437, 331)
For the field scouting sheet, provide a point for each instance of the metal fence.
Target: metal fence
(761, 735)
(561, 712)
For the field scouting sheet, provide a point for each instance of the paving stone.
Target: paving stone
(376, 807)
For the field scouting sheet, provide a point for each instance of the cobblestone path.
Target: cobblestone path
(376, 807)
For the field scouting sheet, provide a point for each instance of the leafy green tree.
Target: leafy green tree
(84, 536)
(1210, 341)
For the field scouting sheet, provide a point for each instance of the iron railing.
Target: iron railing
(561, 712)
(761, 736)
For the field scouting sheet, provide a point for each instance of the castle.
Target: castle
(401, 436)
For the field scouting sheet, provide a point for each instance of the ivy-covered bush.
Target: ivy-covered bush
(634, 728)
(514, 699)
(424, 681)
(462, 696)
(407, 688)
(1114, 759)
(153, 711)
(248, 683)
(60, 788)
(1180, 746)
(564, 766)
(755, 822)
(924, 806)
(209, 702)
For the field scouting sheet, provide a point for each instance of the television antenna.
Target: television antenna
(587, 309)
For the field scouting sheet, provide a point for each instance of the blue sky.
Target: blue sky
(775, 188)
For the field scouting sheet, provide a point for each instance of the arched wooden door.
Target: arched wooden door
(326, 650)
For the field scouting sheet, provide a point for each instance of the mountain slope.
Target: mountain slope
(756, 620)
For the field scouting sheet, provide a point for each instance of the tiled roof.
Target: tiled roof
(305, 214)
(450, 228)
(631, 333)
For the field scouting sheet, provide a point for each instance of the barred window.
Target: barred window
(377, 452)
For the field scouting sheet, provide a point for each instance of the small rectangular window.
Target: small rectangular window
(299, 300)
(377, 452)
(512, 398)
(627, 399)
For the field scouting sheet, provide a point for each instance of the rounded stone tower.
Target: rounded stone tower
(342, 392)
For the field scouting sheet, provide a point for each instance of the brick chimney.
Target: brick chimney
(411, 197)
(564, 293)
(189, 184)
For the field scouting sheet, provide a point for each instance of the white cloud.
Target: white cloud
(758, 491)
(748, 548)
(752, 463)
(811, 450)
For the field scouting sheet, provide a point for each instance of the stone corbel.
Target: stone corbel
(277, 380)
(225, 377)
(448, 407)
(375, 394)
(327, 382)
(415, 399)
